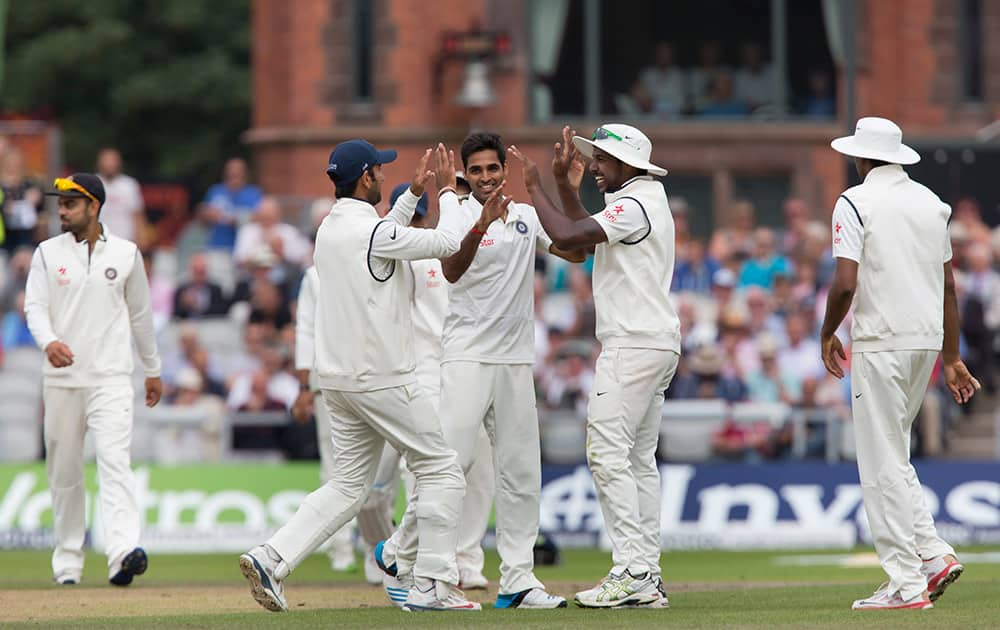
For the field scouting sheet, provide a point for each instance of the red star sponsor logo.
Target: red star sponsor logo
(432, 273)
(62, 271)
(619, 209)
(837, 228)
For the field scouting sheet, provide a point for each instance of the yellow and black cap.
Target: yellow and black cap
(86, 185)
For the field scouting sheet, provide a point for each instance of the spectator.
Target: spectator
(681, 210)
(723, 287)
(199, 297)
(702, 77)
(782, 294)
(123, 212)
(736, 237)
(766, 263)
(191, 353)
(796, 221)
(229, 204)
(262, 267)
(637, 102)
(722, 101)
(768, 383)
(199, 444)
(15, 327)
(704, 379)
(161, 293)
(567, 384)
(257, 400)
(665, 83)
(762, 317)
(17, 277)
(815, 247)
(819, 101)
(694, 272)
(741, 442)
(738, 347)
(22, 203)
(269, 306)
(800, 359)
(755, 80)
(267, 228)
(541, 329)
(980, 309)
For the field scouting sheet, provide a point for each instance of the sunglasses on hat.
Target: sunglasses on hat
(603, 134)
(63, 184)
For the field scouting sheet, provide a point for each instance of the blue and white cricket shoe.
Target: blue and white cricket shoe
(258, 566)
(532, 598)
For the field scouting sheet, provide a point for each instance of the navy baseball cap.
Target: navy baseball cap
(421, 203)
(349, 160)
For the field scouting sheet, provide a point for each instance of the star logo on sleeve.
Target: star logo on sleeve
(836, 228)
(619, 209)
(432, 273)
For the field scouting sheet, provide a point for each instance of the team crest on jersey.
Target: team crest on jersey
(110, 273)
(521, 227)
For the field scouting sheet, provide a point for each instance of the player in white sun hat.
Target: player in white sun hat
(640, 336)
(890, 239)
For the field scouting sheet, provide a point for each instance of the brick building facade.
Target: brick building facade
(305, 84)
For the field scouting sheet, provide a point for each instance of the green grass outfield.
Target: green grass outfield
(712, 589)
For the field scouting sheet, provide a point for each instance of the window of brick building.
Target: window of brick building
(363, 47)
(769, 59)
(970, 46)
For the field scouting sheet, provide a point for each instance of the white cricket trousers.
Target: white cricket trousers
(375, 521)
(623, 427)
(887, 389)
(502, 398)
(362, 422)
(106, 412)
(342, 541)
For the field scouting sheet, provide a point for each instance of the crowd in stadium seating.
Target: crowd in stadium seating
(750, 299)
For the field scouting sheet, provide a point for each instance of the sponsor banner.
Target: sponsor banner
(228, 508)
(790, 505)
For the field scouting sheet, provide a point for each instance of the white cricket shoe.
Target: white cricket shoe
(435, 595)
(941, 572)
(660, 602)
(536, 598)
(373, 574)
(472, 580)
(397, 587)
(259, 566)
(882, 599)
(620, 590)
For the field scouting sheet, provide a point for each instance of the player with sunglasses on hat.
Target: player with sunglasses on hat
(640, 337)
(87, 296)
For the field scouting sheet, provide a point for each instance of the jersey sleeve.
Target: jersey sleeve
(848, 233)
(946, 252)
(542, 239)
(624, 220)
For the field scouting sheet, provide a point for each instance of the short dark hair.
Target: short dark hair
(347, 190)
(483, 141)
(877, 163)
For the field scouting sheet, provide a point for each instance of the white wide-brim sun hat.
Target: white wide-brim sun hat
(877, 139)
(624, 142)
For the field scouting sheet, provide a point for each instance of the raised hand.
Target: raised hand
(444, 167)
(496, 204)
(960, 381)
(422, 174)
(532, 178)
(567, 163)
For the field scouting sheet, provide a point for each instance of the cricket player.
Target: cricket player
(340, 547)
(486, 369)
(86, 291)
(640, 341)
(375, 521)
(893, 252)
(365, 366)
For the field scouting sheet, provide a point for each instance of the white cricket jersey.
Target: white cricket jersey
(633, 270)
(491, 308)
(364, 330)
(94, 302)
(897, 231)
(123, 200)
(430, 304)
